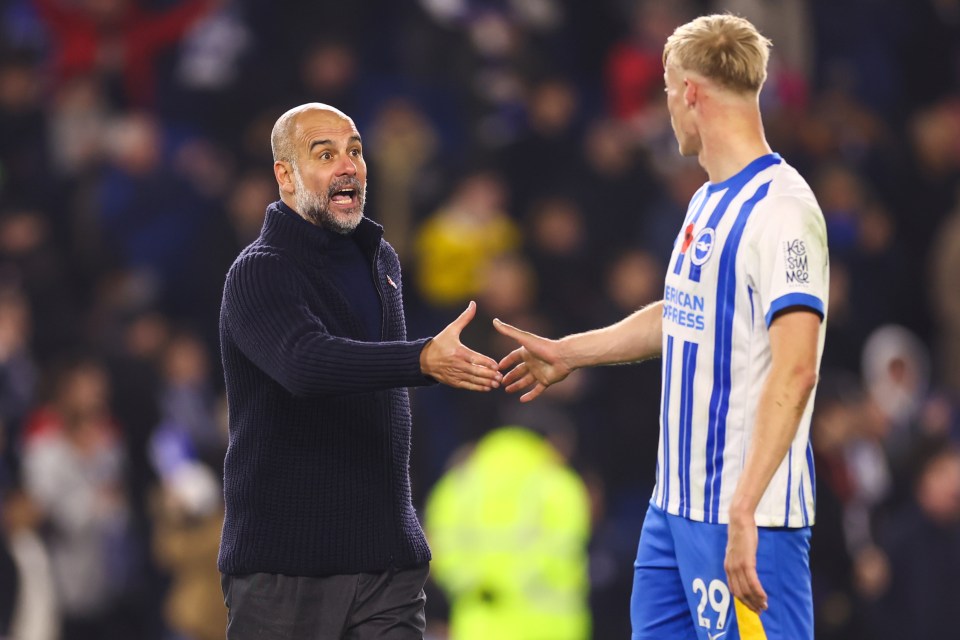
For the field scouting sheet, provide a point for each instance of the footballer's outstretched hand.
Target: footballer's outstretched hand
(534, 366)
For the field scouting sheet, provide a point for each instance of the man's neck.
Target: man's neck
(291, 204)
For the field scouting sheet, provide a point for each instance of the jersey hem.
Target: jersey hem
(763, 520)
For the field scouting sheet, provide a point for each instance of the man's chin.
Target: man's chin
(343, 222)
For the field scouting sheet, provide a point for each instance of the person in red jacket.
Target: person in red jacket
(116, 39)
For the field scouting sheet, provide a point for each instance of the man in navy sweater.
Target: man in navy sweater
(321, 539)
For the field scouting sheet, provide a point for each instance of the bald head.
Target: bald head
(284, 134)
(319, 166)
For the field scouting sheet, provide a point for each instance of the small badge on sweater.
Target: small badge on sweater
(391, 282)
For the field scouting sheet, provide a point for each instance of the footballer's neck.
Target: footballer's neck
(733, 139)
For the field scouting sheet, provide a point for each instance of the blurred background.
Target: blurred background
(520, 154)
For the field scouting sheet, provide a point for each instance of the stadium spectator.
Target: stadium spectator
(18, 370)
(36, 615)
(509, 523)
(850, 573)
(73, 470)
(945, 299)
(31, 260)
(558, 243)
(617, 184)
(454, 244)
(542, 155)
(923, 544)
(116, 41)
(188, 518)
(188, 402)
(405, 148)
(634, 67)
(24, 130)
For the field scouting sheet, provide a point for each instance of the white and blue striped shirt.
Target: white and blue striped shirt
(749, 247)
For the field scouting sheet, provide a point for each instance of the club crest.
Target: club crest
(702, 247)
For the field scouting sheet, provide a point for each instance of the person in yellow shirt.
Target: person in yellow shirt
(455, 244)
(509, 527)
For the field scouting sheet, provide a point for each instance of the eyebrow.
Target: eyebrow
(324, 143)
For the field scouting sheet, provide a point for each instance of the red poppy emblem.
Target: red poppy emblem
(687, 238)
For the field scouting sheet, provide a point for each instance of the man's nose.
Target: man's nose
(347, 166)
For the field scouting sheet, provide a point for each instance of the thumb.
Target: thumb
(464, 318)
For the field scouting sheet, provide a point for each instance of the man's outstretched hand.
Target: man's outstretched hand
(536, 365)
(446, 360)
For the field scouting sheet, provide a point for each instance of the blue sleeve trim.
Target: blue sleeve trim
(795, 300)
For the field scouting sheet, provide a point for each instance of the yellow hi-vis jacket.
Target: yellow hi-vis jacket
(509, 528)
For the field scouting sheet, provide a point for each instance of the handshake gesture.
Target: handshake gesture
(534, 366)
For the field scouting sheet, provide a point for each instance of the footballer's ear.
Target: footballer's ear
(690, 89)
(283, 171)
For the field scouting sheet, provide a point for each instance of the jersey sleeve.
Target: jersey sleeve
(791, 266)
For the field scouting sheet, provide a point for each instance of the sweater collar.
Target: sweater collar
(284, 227)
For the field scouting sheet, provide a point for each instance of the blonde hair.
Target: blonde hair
(725, 48)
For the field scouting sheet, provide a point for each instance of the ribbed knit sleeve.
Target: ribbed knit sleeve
(266, 313)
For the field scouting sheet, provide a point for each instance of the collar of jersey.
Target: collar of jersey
(746, 174)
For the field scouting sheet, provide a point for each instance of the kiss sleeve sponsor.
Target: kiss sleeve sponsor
(791, 261)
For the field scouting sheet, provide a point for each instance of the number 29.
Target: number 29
(718, 597)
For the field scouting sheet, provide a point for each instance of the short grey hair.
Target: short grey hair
(281, 138)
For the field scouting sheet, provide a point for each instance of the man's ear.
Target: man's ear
(283, 171)
(690, 91)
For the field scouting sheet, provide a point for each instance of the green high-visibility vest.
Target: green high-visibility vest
(509, 528)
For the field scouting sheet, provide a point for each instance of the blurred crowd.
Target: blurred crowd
(520, 155)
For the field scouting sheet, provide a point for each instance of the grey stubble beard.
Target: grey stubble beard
(315, 206)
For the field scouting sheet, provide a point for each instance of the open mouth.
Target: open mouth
(344, 197)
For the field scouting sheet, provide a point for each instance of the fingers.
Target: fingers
(534, 393)
(520, 381)
(481, 370)
(484, 362)
(483, 376)
(756, 596)
(520, 376)
(745, 585)
(464, 318)
(470, 382)
(468, 369)
(473, 386)
(512, 359)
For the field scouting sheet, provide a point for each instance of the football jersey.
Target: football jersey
(750, 246)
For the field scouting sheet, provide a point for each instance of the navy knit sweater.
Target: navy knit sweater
(316, 475)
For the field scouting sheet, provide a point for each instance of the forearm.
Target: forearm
(322, 364)
(637, 337)
(782, 402)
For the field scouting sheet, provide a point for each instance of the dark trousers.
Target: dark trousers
(381, 606)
